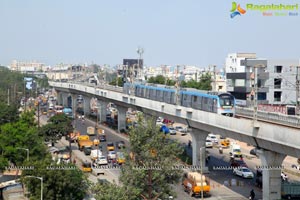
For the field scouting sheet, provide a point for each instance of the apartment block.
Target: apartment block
(240, 78)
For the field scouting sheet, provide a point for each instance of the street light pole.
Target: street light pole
(201, 171)
(297, 92)
(27, 151)
(41, 178)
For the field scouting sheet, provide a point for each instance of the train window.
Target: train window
(226, 102)
(215, 102)
(185, 97)
(194, 98)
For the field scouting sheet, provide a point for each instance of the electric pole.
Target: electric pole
(215, 79)
(8, 96)
(255, 95)
(177, 86)
(297, 91)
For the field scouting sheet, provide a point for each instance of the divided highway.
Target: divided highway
(239, 189)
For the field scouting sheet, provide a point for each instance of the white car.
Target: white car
(208, 143)
(102, 160)
(213, 138)
(243, 172)
(111, 155)
(172, 131)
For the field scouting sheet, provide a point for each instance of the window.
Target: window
(278, 69)
(277, 83)
(277, 96)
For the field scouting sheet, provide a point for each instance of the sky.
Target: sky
(171, 32)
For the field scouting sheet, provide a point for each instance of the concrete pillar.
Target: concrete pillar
(59, 98)
(102, 111)
(65, 99)
(121, 118)
(271, 163)
(198, 141)
(74, 105)
(86, 106)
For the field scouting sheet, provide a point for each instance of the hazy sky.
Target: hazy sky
(192, 32)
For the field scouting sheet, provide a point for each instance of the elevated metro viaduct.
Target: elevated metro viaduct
(276, 141)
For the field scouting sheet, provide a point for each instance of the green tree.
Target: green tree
(149, 170)
(21, 134)
(59, 181)
(8, 113)
(58, 126)
(119, 81)
(42, 82)
(110, 191)
(151, 80)
(13, 82)
(203, 84)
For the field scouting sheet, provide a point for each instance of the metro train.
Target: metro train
(220, 103)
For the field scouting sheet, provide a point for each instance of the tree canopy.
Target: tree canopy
(59, 181)
(203, 84)
(17, 136)
(149, 169)
(58, 126)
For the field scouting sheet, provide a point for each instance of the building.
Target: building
(282, 81)
(26, 67)
(240, 78)
(131, 70)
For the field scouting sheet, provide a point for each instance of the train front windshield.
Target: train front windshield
(226, 101)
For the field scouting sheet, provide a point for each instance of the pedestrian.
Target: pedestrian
(252, 195)
(190, 143)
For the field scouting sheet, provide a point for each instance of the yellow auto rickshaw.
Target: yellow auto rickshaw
(86, 166)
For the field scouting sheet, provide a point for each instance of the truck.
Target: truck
(84, 141)
(90, 130)
(194, 183)
(235, 150)
(96, 153)
(290, 190)
(68, 112)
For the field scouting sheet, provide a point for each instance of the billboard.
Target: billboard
(28, 83)
(132, 62)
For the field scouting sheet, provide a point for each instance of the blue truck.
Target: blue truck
(290, 190)
(164, 129)
(68, 112)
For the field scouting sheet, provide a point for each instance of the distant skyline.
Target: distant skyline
(172, 32)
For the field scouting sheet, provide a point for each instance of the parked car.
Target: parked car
(167, 121)
(243, 172)
(121, 144)
(172, 131)
(253, 151)
(180, 129)
(208, 143)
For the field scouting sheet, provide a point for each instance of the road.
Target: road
(219, 190)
